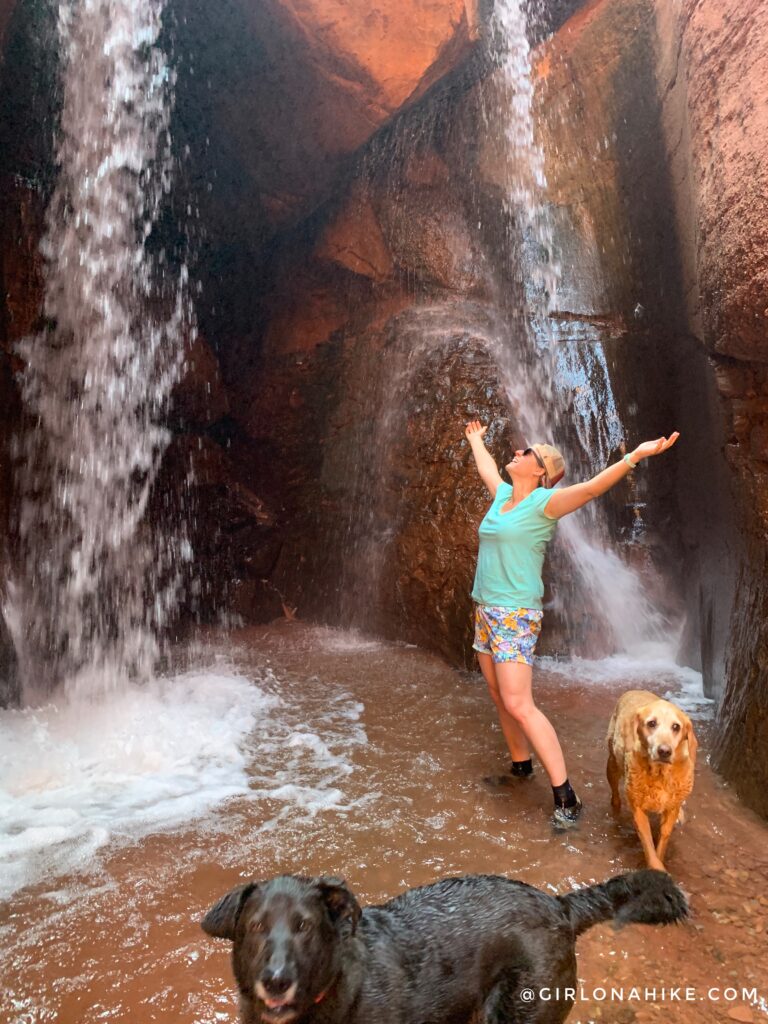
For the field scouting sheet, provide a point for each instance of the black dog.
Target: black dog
(472, 950)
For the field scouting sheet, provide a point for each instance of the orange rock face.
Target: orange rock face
(726, 59)
(722, 75)
(332, 72)
(394, 48)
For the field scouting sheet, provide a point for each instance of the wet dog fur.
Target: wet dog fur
(652, 751)
(461, 951)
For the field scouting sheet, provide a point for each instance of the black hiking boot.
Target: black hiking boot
(564, 818)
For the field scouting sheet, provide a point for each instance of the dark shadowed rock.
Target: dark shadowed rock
(428, 236)
(230, 528)
(199, 398)
(354, 240)
(21, 265)
(384, 535)
(256, 600)
(10, 683)
(307, 306)
(10, 690)
(6, 9)
(740, 748)
(298, 88)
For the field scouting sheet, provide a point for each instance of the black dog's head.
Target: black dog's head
(287, 934)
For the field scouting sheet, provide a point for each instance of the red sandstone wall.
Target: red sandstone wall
(332, 73)
(713, 74)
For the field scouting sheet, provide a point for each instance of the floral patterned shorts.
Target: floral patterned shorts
(507, 634)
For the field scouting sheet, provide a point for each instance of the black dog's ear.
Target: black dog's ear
(221, 919)
(342, 905)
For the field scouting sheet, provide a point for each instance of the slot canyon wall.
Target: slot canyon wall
(713, 71)
(359, 273)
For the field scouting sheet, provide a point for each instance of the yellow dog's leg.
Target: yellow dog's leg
(643, 827)
(668, 821)
(613, 771)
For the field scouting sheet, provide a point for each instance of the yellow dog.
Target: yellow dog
(652, 748)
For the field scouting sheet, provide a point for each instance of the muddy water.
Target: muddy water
(373, 770)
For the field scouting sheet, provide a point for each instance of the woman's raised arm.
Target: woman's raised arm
(486, 467)
(568, 499)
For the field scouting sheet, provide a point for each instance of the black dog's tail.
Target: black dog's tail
(641, 897)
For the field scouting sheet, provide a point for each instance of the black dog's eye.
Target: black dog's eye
(676, 727)
(304, 925)
(652, 723)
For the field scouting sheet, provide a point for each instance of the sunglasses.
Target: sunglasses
(535, 454)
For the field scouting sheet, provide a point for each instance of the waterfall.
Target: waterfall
(96, 586)
(567, 375)
(527, 180)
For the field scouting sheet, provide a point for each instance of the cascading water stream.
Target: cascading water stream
(96, 585)
(559, 368)
(527, 180)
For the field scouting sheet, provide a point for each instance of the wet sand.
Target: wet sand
(122, 942)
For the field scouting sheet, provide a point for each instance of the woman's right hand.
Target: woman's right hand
(649, 448)
(474, 429)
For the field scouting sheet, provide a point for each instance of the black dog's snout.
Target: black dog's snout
(665, 753)
(276, 983)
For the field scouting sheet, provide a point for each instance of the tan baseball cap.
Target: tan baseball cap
(552, 461)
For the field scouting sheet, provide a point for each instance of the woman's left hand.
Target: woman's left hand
(648, 448)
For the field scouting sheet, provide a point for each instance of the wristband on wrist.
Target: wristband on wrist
(629, 462)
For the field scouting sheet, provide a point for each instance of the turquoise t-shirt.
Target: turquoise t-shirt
(511, 555)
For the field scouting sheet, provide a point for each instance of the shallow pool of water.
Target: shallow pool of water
(309, 750)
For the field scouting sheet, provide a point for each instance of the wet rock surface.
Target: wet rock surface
(10, 692)
(367, 535)
(725, 57)
(231, 531)
(716, 64)
(199, 399)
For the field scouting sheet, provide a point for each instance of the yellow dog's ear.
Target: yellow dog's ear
(690, 737)
(632, 733)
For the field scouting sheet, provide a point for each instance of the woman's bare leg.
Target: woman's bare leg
(519, 748)
(515, 687)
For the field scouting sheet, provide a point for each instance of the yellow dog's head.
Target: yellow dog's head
(664, 732)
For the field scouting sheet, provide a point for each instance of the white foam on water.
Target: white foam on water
(311, 742)
(77, 776)
(309, 798)
(652, 669)
(345, 641)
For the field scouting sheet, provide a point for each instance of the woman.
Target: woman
(508, 591)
